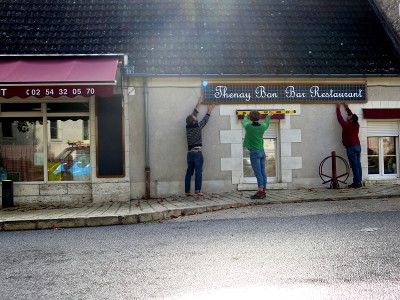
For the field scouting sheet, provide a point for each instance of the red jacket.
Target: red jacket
(349, 130)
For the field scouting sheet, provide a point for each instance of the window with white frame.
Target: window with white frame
(271, 151)
(382, 142)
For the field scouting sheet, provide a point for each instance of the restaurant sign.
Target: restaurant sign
(284, 92)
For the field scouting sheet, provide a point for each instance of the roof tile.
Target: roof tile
(207, 37)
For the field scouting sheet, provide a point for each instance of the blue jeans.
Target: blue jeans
(195, 164)
(257, 159)
(354, 155)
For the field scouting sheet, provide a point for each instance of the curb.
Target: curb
(108, 220)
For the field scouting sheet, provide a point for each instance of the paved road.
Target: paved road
(299, 209)
(317, 251)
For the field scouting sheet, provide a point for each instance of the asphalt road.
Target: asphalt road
(325, 250)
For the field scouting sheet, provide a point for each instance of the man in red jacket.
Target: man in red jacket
(351, 141)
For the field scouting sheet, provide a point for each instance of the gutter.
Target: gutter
(146, 75)
(147, 171)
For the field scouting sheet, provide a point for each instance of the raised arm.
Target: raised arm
(339, 116)
(349, 112)
(245, 120)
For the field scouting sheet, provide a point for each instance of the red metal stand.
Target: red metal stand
(334, 179)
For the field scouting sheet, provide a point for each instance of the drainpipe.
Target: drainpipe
(147, 139)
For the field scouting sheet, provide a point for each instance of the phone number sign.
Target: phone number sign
(69, 91)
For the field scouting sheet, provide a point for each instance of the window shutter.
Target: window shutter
(383, 128)
(272, 131)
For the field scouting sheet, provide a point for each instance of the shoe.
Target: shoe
(199, 194)
(258, 195)
(355, 185)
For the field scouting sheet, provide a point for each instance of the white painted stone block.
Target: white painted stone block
(111, 188)
(287, 176)
(236, 175)
(286, 150)
(26, 189)
(53, 189)
(80, 189)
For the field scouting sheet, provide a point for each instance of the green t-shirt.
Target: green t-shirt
(253, 140)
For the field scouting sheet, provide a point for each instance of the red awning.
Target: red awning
(57, 76)
(381, 113)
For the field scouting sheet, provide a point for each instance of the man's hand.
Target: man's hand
(337, 105)
(346, 105)
(210, 107)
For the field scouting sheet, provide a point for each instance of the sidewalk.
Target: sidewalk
(138, 211)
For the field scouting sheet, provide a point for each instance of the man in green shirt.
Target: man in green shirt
(254, 142)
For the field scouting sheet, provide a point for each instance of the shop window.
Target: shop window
(70, 159)
(32, 155)
(22, 156)
(382, 156)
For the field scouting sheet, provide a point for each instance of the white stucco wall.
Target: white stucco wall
(305, 138)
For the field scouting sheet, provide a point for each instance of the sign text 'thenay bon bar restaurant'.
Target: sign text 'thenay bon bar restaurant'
(299, 92)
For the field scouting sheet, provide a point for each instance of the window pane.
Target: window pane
(22, 155)
(389, 145)
(7, 107)
(69, 158)
(390, 165)
(373, 165)
(373, 146)
(67, 107)
(247, 170)
(53, 130)
(373, 155)
(270, 164)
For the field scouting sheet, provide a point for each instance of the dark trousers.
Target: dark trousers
(195, 165)
(354, 156)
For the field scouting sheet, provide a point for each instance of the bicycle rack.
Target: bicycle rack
(334, 179)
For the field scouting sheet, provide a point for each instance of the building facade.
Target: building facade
(90, 138)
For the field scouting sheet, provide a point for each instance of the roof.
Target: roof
(238, 37)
